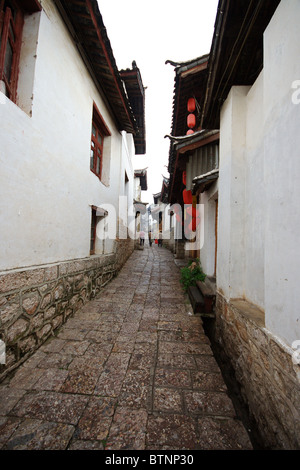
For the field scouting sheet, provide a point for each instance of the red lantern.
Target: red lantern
(190, 132)
(191, 106)
(184, 178)
(191, 120)
(187, 197)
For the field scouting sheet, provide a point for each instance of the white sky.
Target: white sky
(151, 32)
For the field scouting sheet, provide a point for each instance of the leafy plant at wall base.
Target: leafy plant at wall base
(191, 273)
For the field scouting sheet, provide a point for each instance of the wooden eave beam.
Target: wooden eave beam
(96, 26)
(194, 70)
(199, 144)
(228, 48)
(117, 106)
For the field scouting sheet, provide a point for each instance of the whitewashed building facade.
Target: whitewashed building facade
(68, 134)
(253, 96)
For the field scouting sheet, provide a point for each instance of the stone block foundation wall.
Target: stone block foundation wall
(34, 302)
(169, 241)
(180, 251)
(269, 379)
(124, 249)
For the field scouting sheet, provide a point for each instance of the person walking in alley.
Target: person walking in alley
(160, 239)
(142, 238)
(150, 238)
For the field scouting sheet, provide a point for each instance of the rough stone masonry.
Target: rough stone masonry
(34, 302)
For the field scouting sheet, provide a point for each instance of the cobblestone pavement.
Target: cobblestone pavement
(131, 370)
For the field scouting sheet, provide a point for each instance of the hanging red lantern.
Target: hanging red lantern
(184, 177)
(191, 105)
(187, 197)
(191, 120)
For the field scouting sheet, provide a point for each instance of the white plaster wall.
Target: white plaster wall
(259, 183)
(240, 266)
(224, 221)
(46, 186)
(282, 172)
(207, 252)
(126, 189)
(27, 62)
(231, 221)
(255, 196)
(137, 189)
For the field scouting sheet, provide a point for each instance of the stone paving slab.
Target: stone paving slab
(131, 370)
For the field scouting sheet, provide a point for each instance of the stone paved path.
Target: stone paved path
(131, 370)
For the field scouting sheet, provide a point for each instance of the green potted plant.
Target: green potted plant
(191, 273)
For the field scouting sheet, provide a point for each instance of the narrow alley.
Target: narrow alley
(131, 370)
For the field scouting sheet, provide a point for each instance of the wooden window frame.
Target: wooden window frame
(97, 141)
(11, 27)
(96, 216)
(93, 230)
(98, 134)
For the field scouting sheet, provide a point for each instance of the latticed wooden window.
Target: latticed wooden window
(11, 25)
(99, 132)
(96, 149)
